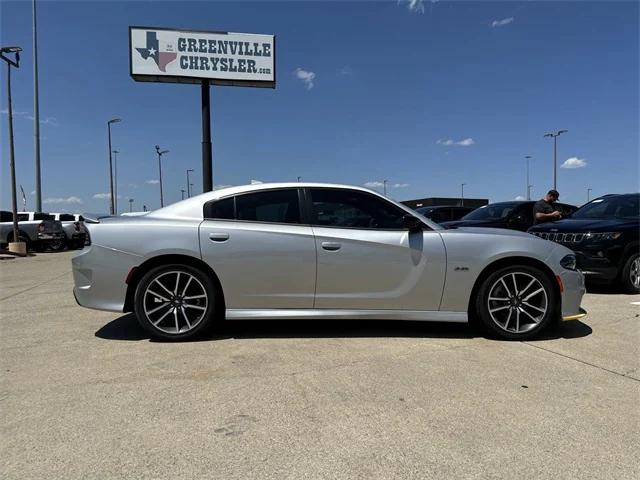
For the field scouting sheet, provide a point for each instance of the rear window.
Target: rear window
(6, 217)
(23, 217)
(65, 217)
(42, 216)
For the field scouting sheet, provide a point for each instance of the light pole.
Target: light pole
(555, 155)
(299, 179)
(115, 180)
(182, 192)
(188, 183)
(527, 158)
(529, 187)
(130, 205)
(18, 247)
(462, 194)
(36, 113)
(191, 187)
(160, 153)
(384, 187)
(589, 194)
(112, 205)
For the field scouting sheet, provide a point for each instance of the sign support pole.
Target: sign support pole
(207, 157)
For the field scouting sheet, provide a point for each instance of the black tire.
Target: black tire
(57, 245)
(630, 271)
(528, 328)
(212, 303)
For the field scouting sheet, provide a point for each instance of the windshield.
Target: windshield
(619, 206)
(495, 211)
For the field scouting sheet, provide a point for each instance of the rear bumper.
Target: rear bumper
(99, 276)
(50, 236)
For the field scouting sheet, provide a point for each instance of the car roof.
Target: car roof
(192, 207)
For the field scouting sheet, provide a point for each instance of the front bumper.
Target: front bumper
(577, 316)
(573, 287)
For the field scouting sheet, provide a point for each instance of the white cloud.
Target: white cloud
(465, 142)
(345, 71)
(400, 185)
(414, 6)
(28, 116)
(100, 196)
(306, 76)
(519, 197)
(374, 184)
(68, 200)
(152, 182)
(133, 185)
(220, 187)
(33, 192)
(574, 162)
(255, 182)
(502, 22)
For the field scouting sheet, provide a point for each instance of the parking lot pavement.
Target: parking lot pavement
(85, 394)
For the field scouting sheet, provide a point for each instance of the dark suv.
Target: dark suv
(444, 213)
(604, 234)
(512, 215)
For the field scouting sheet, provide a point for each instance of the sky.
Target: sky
(427, 95)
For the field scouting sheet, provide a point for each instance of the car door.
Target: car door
(367, 260)
(264, 257)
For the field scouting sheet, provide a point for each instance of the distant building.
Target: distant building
(442, 201)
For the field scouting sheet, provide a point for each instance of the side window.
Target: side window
(6, 217)
(220, 209)
(352, 209)
(23, 217)
(275, 206)
(65, 217)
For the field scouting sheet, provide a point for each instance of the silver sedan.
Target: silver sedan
(319, 251)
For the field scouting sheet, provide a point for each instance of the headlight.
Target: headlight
(568, 262)
(603, 236)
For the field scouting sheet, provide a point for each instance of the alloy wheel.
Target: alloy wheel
(175, 302)
(634, 273)
(517, 302)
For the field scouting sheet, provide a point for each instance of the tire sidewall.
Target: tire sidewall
(483, 294)
(209, 317)
(626, 281)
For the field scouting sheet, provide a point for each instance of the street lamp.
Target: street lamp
(527, 158)
(589, 194)
(112, 205)
(529, 187)
(191, 187)
(462, 194)
(299, 179)
(555, 154)
(36, 112)
(17, 247)
(182, 192)
(188, 183)
(130, 205)
(115, 180)
(160, 153)
(384, 187)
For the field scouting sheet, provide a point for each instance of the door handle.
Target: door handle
(331, 246)
(219, 237)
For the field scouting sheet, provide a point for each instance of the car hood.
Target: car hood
(472, 223)
(586, 225)
(488, 231)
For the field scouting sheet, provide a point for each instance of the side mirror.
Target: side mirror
(411, 223)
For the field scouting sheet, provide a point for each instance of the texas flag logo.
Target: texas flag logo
(152, 50)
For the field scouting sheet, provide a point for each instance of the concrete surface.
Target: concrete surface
(85, 394)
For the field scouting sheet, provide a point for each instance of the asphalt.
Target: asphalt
(85, 394)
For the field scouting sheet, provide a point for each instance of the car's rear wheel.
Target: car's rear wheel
(57, 245)
(176, 302)
(516, 303)
(631, 274)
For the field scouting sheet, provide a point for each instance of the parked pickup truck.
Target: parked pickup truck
(37, 230)
(74, 230)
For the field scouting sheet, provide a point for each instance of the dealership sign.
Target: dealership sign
(187, 56)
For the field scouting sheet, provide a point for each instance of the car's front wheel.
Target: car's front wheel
(517, 302)
(176, 302)
(631, 274)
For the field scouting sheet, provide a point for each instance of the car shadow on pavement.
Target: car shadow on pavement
(126, 328)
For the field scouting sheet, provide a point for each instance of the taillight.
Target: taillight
(87, 239)
(41, 227)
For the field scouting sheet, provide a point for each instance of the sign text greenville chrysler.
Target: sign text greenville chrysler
(179, 56)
